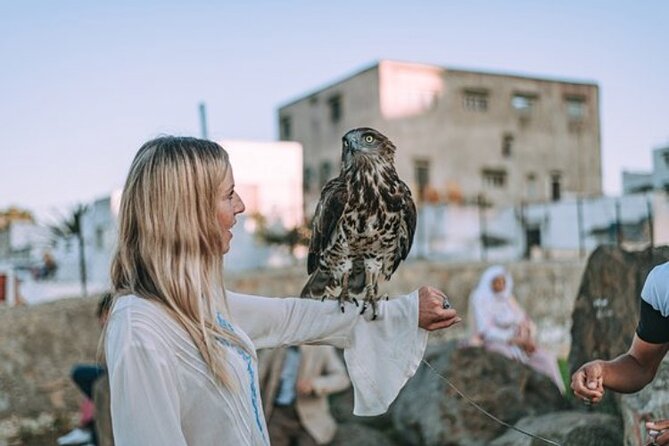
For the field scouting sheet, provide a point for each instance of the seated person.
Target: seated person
(295, 383)
(84, 376)
(502, 326)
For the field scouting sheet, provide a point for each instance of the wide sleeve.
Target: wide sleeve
(143, 388)
(384, 355)
(380, 355)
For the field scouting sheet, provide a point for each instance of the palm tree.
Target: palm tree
(71, 226)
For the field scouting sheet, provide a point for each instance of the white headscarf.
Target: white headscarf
(493, 316)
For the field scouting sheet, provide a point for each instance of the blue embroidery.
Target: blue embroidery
(249, 369)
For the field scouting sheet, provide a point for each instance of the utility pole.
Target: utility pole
(579, 216)
(203, 121)
(619, 223)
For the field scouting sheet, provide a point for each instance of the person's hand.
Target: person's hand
(657, 432)
(431, 312)
(588, 382)
(526, 343)
(304, 387)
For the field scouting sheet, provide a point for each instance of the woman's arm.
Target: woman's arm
(274, 322)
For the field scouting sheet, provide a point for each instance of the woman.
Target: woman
(180, 349)
(504, 327)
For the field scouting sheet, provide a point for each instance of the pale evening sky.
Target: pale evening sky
(83, 84)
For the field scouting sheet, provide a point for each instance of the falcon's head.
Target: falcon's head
(367, 143)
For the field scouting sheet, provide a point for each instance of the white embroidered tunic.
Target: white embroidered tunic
(163, 394)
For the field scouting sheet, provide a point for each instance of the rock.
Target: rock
(341, 407)
(353, 434)
(38, 346)
(650, 403)
(566, 428)
(429, 412)
(606, 309)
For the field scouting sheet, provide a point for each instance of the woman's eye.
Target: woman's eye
(369, 139)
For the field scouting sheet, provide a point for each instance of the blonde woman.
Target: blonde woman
(181, 350)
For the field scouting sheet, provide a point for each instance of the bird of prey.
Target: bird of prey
(364, 223)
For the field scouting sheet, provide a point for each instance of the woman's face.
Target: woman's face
(498, 284)
(228, 205)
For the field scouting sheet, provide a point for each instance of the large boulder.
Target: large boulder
(353, 434)
(430, 412)
(651, 403)
(566, 428)
(606, 309)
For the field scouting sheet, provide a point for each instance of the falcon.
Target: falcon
(363, 226)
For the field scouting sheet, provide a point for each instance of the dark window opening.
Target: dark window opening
(556, 187)
(335, 108)
(475, 100)
(285, 129)
(307, 179)
(494, 178)
(507, 145)
(422, 176)
(326, 172)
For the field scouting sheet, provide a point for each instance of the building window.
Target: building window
(556, 186)
(531, 191)
(307, 179)
(665, 156)
(475, 100)
(285, 129)
(334, 103)
(575, 108)
(494, 178)
(422, 176)
(507, 145)
(326, 172)
(522, 102)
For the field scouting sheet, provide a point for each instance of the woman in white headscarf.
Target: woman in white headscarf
(504, 327)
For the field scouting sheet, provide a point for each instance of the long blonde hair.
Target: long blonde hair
(170, 244)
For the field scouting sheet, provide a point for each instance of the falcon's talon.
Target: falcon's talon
(355, 301)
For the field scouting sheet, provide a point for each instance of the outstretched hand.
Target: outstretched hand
(431, 312)
(587, 382)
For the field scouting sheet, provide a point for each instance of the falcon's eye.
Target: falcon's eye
(369, 139)
(345, 143)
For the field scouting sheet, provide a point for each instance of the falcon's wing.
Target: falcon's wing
(328, 211)
(407, 227)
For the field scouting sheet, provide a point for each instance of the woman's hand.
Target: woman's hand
(431, 312)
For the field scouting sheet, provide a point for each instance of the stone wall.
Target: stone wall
(39, 344)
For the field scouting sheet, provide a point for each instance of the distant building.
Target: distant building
(461, 135)
(658, 179)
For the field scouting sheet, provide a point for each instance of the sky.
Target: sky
(83, 83)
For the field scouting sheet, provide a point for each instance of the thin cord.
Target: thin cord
(485, 412)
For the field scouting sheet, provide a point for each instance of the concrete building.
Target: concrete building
(658, 179)
(461, 135)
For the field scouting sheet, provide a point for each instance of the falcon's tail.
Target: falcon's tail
(316, 284)
(320, 280)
